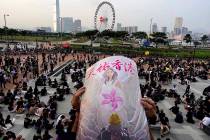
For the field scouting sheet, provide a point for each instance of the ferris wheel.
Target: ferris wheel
(104, 17)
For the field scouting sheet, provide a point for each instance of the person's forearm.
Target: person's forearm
(151, 136)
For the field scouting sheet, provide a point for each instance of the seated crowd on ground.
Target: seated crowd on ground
(43, 116)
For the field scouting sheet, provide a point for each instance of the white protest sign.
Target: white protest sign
(110, 107)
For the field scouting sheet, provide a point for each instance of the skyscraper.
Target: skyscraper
(177, 31)
(178, 22)
(130, 29)
(119, 26)
(154, 28)
(178, 25)
(77, 25)
(184, 30)
(67, 24)
(164, 29)
(56, 19)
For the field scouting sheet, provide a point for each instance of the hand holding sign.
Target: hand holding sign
(110, 107)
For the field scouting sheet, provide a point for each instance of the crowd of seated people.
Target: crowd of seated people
(160, 71)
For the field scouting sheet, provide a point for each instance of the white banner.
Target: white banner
(110, 107)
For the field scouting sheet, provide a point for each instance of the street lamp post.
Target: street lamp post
(37, 59)
(5, 24)
(61, 27)
(5, 20)
(195, 46)
(151, 25)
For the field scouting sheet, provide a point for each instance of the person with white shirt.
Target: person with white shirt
(205, 122)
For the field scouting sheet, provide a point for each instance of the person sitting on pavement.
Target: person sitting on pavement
(2, 96)
(12, 106)
(164, 125)
(54, 83)
(47, 125)
(59, 130)
(38, 124)
(189, 116)
(187, 91)
(9, 121)
(68, 90)
(20, 106)
(36, 91)
(200, 113)
(2, 122)
(46, 135)
(25, 86)
(205, 122)
(179, 117)
(49, 82)
(37, 136)
(27, 121)
(44, 92)
(175, 109)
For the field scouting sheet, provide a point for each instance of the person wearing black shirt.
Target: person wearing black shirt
(189, 116)
(1, 96)
(44, 92)
(46, 135)
(37, 136)
(27, 121)
(187, 91)
(164, 125)
(174, 109)
(2, 120)
(8, 120)
(179, 118)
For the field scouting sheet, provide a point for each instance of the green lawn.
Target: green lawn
(81, 40)
(116, 41)
(181, 53)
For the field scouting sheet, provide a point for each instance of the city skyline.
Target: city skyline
(40, 13)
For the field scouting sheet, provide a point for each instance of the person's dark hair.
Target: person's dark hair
(167, 138)
(46, 132)
(38, 131)
(62, 117)
(8, 116)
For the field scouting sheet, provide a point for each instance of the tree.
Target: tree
(89, 34)
(113, 34)
(140, 35)
(204, 39)
(121, 34)
(158, 38)
(188, 38)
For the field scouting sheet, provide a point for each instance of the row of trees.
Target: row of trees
(204, 39)
(157, 37)
(14, 32)
(95, 33)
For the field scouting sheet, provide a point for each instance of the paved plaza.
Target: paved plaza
(183, 131)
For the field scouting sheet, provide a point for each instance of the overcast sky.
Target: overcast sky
(28, 14)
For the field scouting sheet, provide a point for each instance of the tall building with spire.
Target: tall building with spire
(178, 25)
(56, 18)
